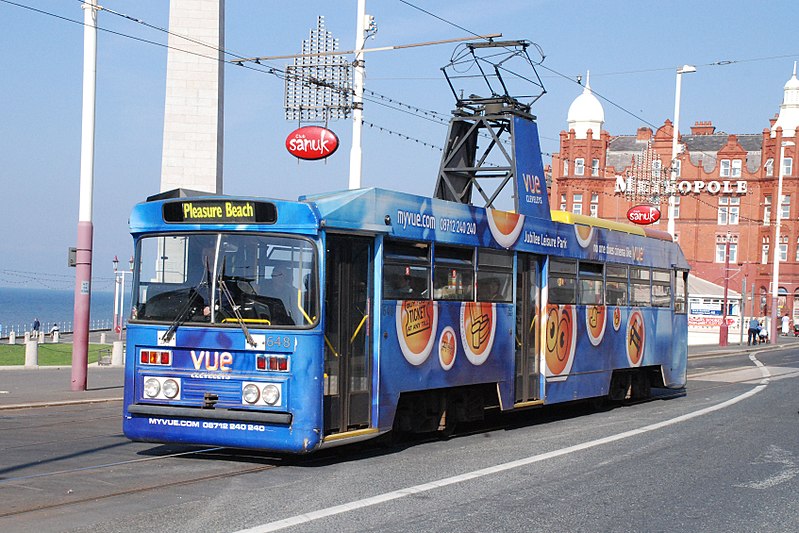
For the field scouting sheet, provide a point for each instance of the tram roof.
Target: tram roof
(409, 216)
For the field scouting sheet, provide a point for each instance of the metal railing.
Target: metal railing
(63, 328)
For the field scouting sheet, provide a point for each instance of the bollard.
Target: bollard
(12, 337)
(31, 354)
(40, 337)
(27, 336)
(56, 337)
(102, 338)
(117, 358)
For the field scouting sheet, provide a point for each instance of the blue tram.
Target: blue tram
(290, 326)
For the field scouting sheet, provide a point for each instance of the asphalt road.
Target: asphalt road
(722, 457)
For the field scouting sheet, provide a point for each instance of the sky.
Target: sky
(744, 53)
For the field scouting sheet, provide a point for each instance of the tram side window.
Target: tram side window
(494, 276)
(616, 285)
(590, 284)
(562, 281)
(453, 273)
(661, 288)
(640, 294)
(680, 291)
(406, 271)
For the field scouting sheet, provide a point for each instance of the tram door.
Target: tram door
(348, 371)
(528, 324)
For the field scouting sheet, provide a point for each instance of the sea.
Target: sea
(20, 307)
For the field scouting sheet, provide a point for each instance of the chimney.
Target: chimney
(703, 127)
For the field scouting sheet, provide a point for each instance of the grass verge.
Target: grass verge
(49, 354)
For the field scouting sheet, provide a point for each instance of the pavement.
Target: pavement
(22, 387)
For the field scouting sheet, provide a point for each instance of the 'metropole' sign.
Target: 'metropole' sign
(695, 186)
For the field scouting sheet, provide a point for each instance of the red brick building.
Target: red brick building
(726, 185)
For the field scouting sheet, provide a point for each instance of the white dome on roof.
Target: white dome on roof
(788, 118)
(586, 113)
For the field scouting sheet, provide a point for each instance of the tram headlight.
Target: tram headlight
(152, 387)
(271, 394)
(250, 393)
(170, 388)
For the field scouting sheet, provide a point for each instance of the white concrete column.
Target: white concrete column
(193, 111)
(31, 354)
(117, 354)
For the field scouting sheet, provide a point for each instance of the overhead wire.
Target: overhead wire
(268, 69)
(280, 73)
(48, 280)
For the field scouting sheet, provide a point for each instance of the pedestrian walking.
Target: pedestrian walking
(36, 326)
(786, 323)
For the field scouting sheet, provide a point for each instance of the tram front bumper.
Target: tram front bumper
(232, 415)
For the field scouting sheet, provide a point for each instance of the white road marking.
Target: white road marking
(424, 487)
(778, 456)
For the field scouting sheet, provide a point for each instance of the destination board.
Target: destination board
(221, 211)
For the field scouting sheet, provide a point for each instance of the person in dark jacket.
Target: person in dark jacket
(754, 328)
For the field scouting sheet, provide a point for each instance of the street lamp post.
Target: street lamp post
(83, 257)
(675, 134)
(119, 296)
(357, 98)
(775, 276)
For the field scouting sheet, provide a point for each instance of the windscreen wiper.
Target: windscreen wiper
(233, 307)
(194, 295)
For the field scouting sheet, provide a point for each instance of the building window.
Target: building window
(797, 259)
(677, 206)
(736, 168)
(594, 207)
(724, 169)
(729, 210)
(677, 168)
(656, 166)
(764, 251)
(769, 166)
(565, 167)
(563, 202)
(767, 210)
(787, 166)
(595, 167)
(785, 212)
(577, 204)
(783, 250)
(721, 248)
(579, 166)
